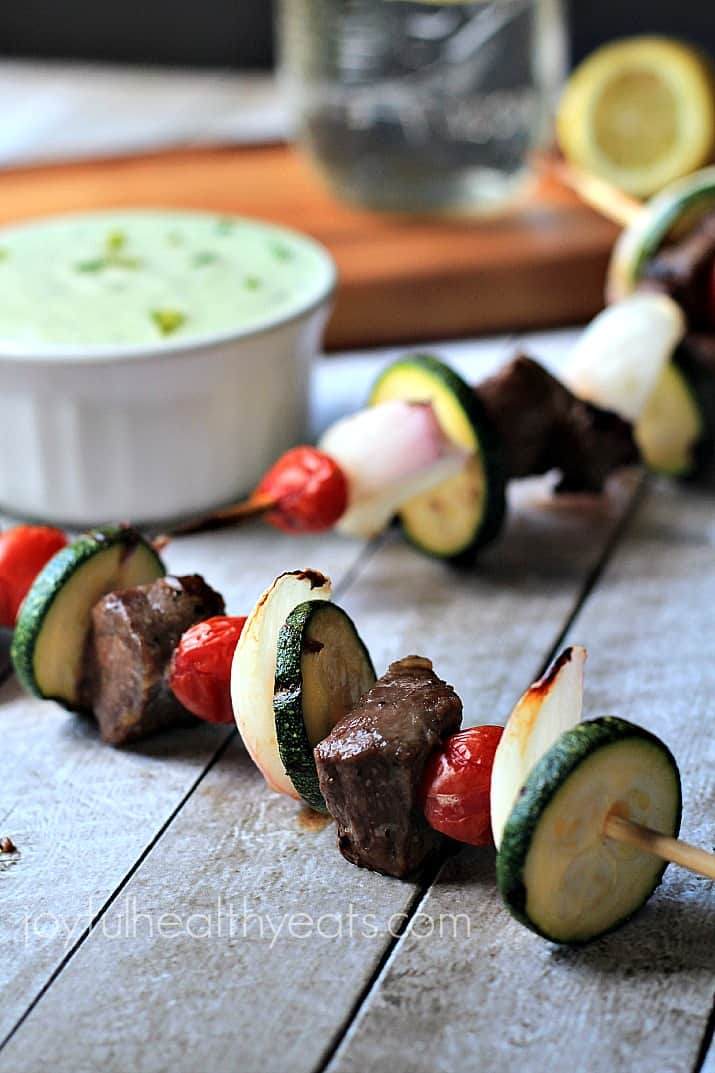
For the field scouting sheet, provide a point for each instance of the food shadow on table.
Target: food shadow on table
(659, 938)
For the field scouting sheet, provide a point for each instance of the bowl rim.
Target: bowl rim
(73, 353)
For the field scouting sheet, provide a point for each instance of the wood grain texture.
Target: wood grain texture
(153, 1002)
(401, 280)
(639, 999)
(81, 812)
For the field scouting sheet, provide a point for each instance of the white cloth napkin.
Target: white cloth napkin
(59, 111)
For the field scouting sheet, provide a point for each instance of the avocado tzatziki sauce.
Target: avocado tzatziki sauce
(146, 277)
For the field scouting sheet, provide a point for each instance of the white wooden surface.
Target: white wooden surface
(147, 841)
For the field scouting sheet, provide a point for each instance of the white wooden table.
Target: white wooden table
(166, 912)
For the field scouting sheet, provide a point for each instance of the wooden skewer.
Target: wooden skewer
(601, 195)
(668, 849)
(226, 516)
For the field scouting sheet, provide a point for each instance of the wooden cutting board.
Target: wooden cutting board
(401, 280)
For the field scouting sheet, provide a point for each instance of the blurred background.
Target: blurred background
(238, 33)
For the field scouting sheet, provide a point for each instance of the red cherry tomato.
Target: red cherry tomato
(456, 782)
(200, 671)
(308, 488)
(24, 551)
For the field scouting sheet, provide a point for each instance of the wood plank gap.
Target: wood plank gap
(707, 1041)
(596, 573)
(417, 899)
(353, 572)
(120, 887)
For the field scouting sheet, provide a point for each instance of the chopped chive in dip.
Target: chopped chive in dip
(225, 225)
(116, 241)
(174, 238)
(203, 258)
(252, 283)
(113, 256)
(94, 265)
(168, 321)
(4, 253)
(280, 251)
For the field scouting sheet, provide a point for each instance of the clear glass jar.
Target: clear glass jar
(423, 107)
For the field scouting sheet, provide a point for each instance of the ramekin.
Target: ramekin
(151, 433)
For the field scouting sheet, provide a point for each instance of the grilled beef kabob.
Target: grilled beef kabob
(101, 631)
(667, 247)
(439, 453)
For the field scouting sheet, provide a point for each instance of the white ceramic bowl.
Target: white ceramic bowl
(149, 433)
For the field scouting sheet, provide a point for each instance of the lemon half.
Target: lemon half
(639, 112)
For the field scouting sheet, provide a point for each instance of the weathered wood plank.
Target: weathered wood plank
(80, 812)
(175, 1002)
(498, 997)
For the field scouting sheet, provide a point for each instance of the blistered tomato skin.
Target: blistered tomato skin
(309, 490)
(456, 783)
(200, 671)
(24, 551)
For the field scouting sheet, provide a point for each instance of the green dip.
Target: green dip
(135, 278)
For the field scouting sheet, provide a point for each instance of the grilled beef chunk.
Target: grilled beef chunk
(131, 640)
(371, 764)
(683, 270)
(542, 426)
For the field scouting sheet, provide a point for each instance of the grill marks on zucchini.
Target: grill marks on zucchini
(465, 512)
(322, 671)
(557, 871)
(51, 630)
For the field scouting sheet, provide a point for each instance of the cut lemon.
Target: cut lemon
(639, 112)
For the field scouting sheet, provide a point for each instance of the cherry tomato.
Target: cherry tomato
(200, 671)
(456, 782)
(24, 551)
(309, 490)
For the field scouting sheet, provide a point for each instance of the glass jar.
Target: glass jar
(423, 107)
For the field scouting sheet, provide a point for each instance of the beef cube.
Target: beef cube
(683, 270)
(371, 765)
(129, 648)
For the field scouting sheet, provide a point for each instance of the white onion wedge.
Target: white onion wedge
(620, 356)
(253, 671)
(547, 709)
(389, 454)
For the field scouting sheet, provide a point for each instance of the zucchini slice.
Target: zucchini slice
(672, 424)
(548, 708)
(253, 671)
(322, 671)
(466, 511)
(669, 214)
(557, 872)
(51, 629)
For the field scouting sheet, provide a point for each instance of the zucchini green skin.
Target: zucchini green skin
(294, 746)
(494, 509)
(47, 586)
(692, 196)
(543, 783)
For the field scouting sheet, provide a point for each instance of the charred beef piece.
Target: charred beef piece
(542, 426)
(131, 640)
(683, 270)
(371, 765)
